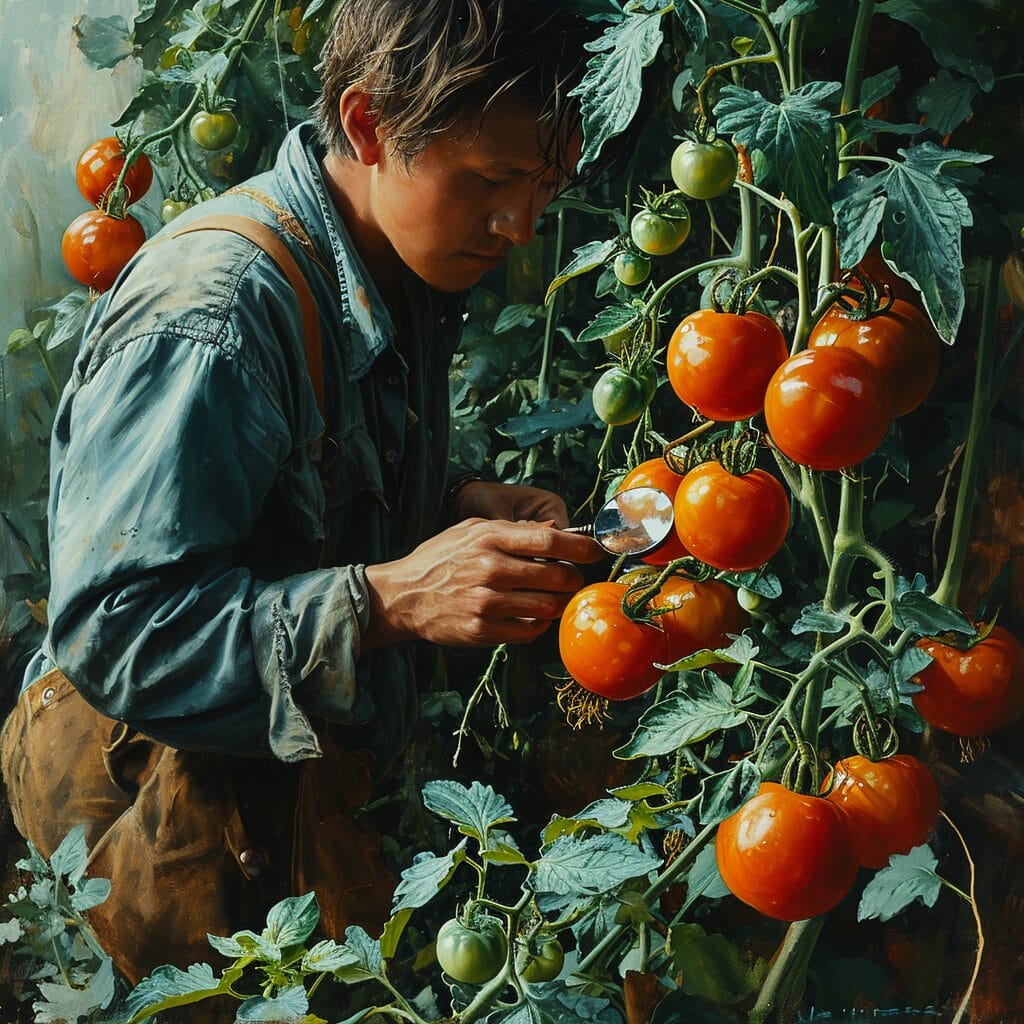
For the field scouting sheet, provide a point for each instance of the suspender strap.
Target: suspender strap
(272, 244)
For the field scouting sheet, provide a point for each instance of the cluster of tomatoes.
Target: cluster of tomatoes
(98, 244)
(473, 949)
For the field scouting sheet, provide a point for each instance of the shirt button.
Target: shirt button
(252, 861)
(444, 320)
(391, 455)
(48, 694)
(392, 379)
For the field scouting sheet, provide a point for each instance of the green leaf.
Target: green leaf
(288, 1007)
(607, 814)
(922, 213)
(104, 42)
(610, 320)
(795, 137)
(246, 943)
(916, 611)
(909, 663)
(89, 893)
(639, 791)
(19, 339)
(61, 1003)
(946, 101)
(169, 986)
(314, 8)
(585, 258)
(527, 1012)
(328, 956)
(291, 922)
(71, 856)
(786, 12)
(907, 878)
(948, 30)
(475, 810)
(711, 966)
(740, 651)
(10, 931)
(705, 878)
(550, 417)
(368, 957)
(425, 877)
(392, 934)
(516, 315)
(726, 792)
(611, 89)
(877, 87)
(594, 865)
(767, 584)
(683, 719)
(814, 619)
(193, 25)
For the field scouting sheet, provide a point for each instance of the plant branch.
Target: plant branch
(962, 1008)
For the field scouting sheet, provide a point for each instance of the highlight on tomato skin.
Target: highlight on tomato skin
(731, 522)
(702, 616)
(893, 804)
(787, 855)
(974, 692)
(827, 408)
(603, 650)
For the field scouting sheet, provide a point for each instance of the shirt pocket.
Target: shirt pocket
(351, 470)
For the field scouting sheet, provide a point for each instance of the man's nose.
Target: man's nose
(516, 220)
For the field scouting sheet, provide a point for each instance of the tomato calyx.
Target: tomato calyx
(866, 738)
(963, 641)
(861, 297)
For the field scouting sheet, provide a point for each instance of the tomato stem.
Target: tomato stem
(947, 593)
(789, 969)
(855, 60)
(962, 1008)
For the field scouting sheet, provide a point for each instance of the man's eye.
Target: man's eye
(488, 181)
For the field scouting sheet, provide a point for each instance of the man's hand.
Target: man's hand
(510, 502)
(477, 584)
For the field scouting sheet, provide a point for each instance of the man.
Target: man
(236, 574)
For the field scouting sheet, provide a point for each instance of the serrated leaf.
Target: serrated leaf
(104, 42)
(786, 12)
(909, 663)
(916, 611)
(71, 856)
(608, 321)
(922, 213)
(946, 101)
(193, 25)
(328, 956)
(795, 137)
(683, 719)
(291, 922)
(610, 813)
(475, 810)
(767, 584)
(611, 89)
(725, 792)
(877, 87)
(711, 966)
(594, 865)
(425, 878)
(948, 31)
(368, 957)
(907, 878)
(62, 1004)
(585, 258)
(515, 315)
(814, 619)
(169, 986)
(548, 418)
(288, 1007)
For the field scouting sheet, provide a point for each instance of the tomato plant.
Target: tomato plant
(543, 962)
(97, 247)
(827, 408)
(892, 804)
(972, 692)
(632, 268)
(787, 855)
(471, 953)
(101, 163)
(619, 397)
(704, 170)
(656, 473)
(659, 235)
(603, 650)
(731, 522)
(213, 129)
(720, 363)
(900, 343)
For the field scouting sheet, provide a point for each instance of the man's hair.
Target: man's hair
(435, 65)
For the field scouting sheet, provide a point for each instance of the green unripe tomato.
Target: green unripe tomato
(472, 955)
(171, 208)
(214, 129)
(749, 600)
(657, 235)
(620, 398)
(704, 170)
(543, 965)
(631, 268)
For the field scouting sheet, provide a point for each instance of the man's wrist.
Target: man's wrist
(453, 492)
(381, 591)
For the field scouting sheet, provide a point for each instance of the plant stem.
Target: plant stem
(855, 61)
(487, 995)
(656, 299)
(962, 1008)
(792, 959)
(948, 591)
(499, 654)
(45, 360)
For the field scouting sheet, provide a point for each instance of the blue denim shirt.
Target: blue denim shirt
(207, 587)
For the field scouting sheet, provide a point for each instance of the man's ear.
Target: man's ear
(360, 125)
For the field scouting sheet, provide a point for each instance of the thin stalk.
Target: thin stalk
(658, 297)
(803, 319)
(965, 1001)
(855, 61)
(45, 360)
(948, 591)
(748, 229)
(795, 46)
(774, 43)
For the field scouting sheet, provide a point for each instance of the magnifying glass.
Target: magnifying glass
(631, 522)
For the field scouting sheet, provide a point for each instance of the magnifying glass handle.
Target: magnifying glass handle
(584, 531)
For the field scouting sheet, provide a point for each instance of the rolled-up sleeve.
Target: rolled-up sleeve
(160, 475)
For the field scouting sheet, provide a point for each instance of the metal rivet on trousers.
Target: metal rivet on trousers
(391, 455)
(48, 694)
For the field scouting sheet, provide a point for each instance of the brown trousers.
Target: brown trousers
(193, 843)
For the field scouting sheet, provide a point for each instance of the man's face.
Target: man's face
(459, 206)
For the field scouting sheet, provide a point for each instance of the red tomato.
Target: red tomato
(720, 363)
(97, 247)
(975, 692)
(900, 343)
(101, 163)
(731, 522)
(892, 804)
(656, 473)
(702, 615)
(827, 408)
(789, 856)
(603, 650)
